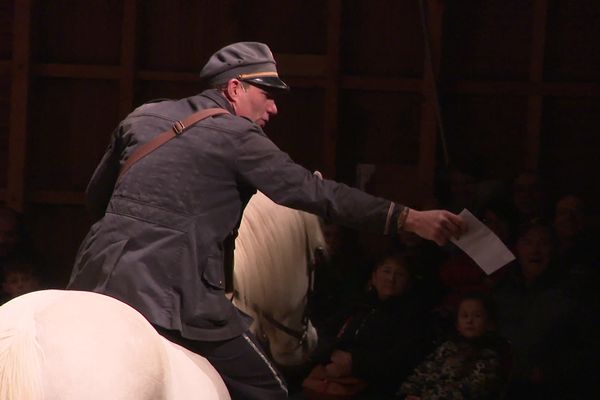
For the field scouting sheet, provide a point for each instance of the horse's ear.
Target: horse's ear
(318, 174)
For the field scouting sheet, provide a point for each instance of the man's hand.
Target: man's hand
(436, 225)
(340, 365)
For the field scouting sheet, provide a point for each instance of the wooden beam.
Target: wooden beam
(310, 65)
(305, 66)
(536, 76)
(5, 67)
(59, 197)
(332, 88)
(521, 88)
(364, 83)
(17, 138)
(128, 57)
(167, 76)
(492, 87)
(75, 71)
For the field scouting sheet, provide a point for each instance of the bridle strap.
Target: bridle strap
(295, 333)
(298, 334)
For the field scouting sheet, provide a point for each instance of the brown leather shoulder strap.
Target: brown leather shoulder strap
(177, 129)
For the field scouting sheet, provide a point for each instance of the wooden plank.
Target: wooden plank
(536, 74)
(519, 88)
(332, 88)
(289, 66)
(167, 76)
(5, 67)
(381, 84)
(17, 140)
(570, 89)
(538, 42)
(492, 87)
(128, 58)
(76, 71)
(59, 197)
(313, 64)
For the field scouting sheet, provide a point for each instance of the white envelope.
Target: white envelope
(482, 245)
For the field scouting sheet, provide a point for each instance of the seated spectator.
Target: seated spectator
(529, 196)
(469, 365)
(577, 246)
(20, 277)
(13, 239)
(10, 234)
(383, 337)
(579, 277)
(534, 313)
(458, 188)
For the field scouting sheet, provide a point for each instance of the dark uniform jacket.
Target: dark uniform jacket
(158, 244)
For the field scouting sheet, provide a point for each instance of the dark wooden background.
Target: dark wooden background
(519, 87)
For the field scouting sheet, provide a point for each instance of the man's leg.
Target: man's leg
(242, 364)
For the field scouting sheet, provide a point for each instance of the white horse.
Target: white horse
(71, 345)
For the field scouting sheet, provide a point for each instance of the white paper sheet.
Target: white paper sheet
(482, 245)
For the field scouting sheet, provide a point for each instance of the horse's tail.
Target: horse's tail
(20, 360)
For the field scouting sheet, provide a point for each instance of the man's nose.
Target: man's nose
(272, 108)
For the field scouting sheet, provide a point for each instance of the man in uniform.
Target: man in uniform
(163, 228)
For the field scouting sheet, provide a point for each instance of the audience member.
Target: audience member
(11, 236)
(458, 189)
(469, 365)
(14, 242)
(20, 276)
(528, 196)
(579, 276)
(534, 313)
(576, 245)
(382, 339)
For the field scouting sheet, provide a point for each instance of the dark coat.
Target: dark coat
(387, 339)
(159, 242)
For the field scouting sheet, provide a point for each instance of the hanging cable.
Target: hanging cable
(429, 66)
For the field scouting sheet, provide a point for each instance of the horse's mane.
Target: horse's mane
(20, 356)
(274, 246)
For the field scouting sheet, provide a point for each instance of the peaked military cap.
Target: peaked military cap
(250, 62)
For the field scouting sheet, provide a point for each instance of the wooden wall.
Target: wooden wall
(519, 88)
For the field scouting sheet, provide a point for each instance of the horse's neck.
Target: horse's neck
(271, 255)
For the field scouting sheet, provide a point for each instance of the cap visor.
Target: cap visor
(269, 82)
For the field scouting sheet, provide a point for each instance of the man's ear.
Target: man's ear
(234, 88)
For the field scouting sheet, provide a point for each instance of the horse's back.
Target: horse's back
(89, 346)
(184, 370)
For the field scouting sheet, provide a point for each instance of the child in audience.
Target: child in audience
(469, 365)
(20, 277)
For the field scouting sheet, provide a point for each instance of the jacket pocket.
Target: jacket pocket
(213, 274)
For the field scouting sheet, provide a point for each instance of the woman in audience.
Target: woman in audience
(383, 337)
